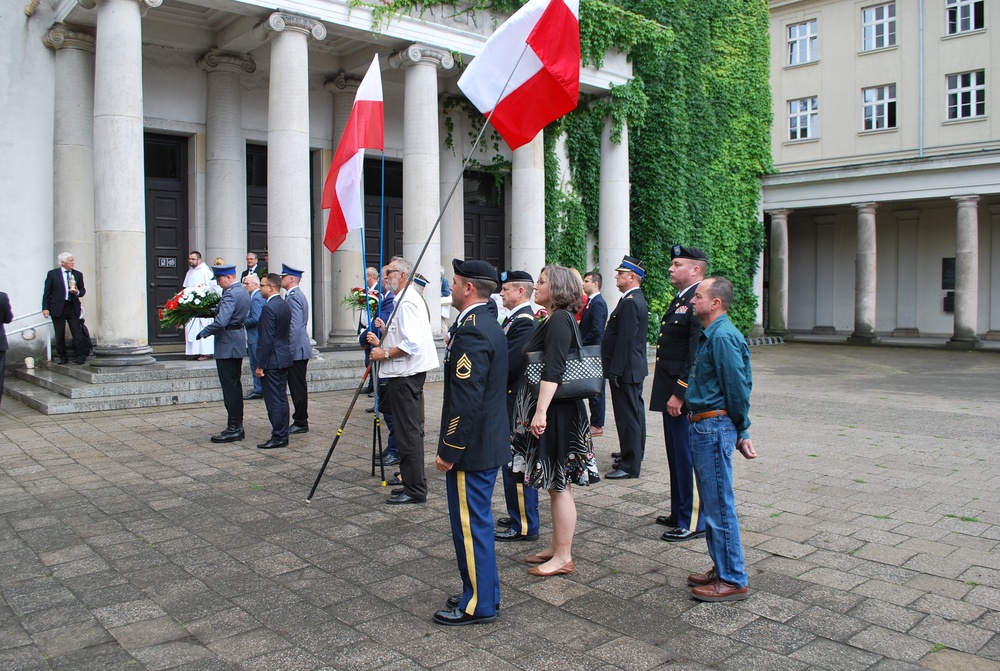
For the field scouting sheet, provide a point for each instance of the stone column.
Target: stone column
(994, 332)
(527, 217)
(824, 275)
(346, 266)
(778, 285)
(865, 281)
(966, 274)
(225, 156)
(120, 192)
(289, 224)
(614, 224)
(421, 161)
(453, 216)
(906, 273)
(73, 154)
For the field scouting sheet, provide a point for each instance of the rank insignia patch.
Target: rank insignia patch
(463, 367)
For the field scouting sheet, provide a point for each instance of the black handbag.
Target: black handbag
(583, 377)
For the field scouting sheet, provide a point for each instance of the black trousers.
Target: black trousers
(299, 391)
(232, 388)
(405, 397)
(71, 318)
(276, 401)
(630, 417)
(3, 365)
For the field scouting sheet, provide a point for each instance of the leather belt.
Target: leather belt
(234, 327)
(708, 414)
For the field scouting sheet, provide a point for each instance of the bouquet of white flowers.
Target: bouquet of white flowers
(190, 303)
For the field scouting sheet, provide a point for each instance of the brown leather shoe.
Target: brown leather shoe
(565, 569)
(706, 578)
(537, 558)
(720, 591)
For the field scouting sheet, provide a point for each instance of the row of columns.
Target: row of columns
(966, 314)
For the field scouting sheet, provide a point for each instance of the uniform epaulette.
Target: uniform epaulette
(525, 316)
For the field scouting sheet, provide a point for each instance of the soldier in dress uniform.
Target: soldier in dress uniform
(474, 441)
(675, 349)
(516, 288)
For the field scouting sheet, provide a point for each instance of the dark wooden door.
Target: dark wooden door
(257, 200)
(484, 219)
(166, 228)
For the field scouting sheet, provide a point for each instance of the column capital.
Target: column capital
(966, 201)
(421, 53)
(143, 4)
(216, 60)
(342, 83)
(868, 207)
(780, 212)
(61, 36)
(281, 21)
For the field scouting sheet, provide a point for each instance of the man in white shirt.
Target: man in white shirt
(198, 274)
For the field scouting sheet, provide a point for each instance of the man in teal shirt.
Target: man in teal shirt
(718, 400)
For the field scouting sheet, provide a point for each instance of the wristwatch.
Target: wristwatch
(387, 357)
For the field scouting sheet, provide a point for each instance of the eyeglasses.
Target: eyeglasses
(390, 272)
(266, 284)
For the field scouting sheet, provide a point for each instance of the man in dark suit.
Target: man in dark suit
(516, 288)
(675, 350)
(252, 285)
(623, 355)
(301, 347)
(474, 442)
(61, 296)
(592, 323)
(6, 317)
(230, 348)
(274, 358)
(253, 267)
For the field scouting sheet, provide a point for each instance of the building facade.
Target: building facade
(884, 211)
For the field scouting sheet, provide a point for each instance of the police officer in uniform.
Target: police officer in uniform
(675, 350)
(516, 288)
(474, 441)
(230, 347)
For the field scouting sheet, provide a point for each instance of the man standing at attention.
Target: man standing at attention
(301, 348)
(675, 348)
(252, 285)
(197, 275)
(61, 296)
(474, 441)
(718, 400)
(274, 358)
(623, 355)
(595, 318)
(230, 348)
(406, 354)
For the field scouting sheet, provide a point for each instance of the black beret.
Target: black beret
(693, 253)
(516, 276)
(474, 270)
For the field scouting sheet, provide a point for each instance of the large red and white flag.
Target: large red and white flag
(545, 83)
(365, 130)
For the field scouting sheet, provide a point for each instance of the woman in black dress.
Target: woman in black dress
(551, 439)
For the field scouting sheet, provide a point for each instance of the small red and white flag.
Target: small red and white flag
(365, 130)
(545, 82)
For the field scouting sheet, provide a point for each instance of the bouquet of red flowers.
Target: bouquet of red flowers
(190, 303)
(359, 299)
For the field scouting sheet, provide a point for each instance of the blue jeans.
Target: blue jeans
(713, 442)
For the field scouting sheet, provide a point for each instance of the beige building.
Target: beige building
(884, 212)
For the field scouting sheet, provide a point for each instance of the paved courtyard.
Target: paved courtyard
(871, 523)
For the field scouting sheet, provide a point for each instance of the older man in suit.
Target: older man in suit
(301, 347)
(6, 317)
(230, 348)
(252, 284)
(61, 296)
(592, 323)
(274, 358)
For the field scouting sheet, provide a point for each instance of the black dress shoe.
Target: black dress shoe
(619, 474)
(511, 534)
(398, 490)
(295, 428)
(667, 520)
(273, 443)
(681, 534)
(370, 408)
(252, 395)
(456, 618)
(400, 499)
(79, 361)
(63, 360)
(453, 601)
(230, 435)
(616, 455)
(390, 460)
(505, 522)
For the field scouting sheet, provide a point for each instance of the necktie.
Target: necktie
(67, 285)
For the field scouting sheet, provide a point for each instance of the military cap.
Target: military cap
(420, 280)
(474, 270)
(219, 271)
(693, 253)
(516, 276)
(632, 265)
(288, 270)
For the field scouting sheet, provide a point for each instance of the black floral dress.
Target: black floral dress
(564, 454)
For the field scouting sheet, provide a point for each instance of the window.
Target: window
(880, 107)
(803, 118)
(878, 26)
(964, 16)
(802, 43)
(967, 95)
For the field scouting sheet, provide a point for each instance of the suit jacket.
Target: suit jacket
(595, 317)
(675, 350)
(253, 317)
(6, 317)
(54, 291)
(623, 348)
(301, 347)
(274, 344)
(475, 432)
(227, 327)
(259, 271)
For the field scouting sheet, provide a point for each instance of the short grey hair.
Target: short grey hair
(252, 279)
(402, 265)
(65, 256)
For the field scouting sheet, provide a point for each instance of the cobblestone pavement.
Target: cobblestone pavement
(871, 523)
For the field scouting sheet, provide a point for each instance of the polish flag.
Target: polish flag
(528, 73)
(365, 130)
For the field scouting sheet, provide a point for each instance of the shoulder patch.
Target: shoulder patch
(463, 368)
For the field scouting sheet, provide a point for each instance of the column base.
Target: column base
(116, 358)
(783, 333)
(824, 330)
(906, 332)
(342, 338)
(965, 344)
(756, 332)
(865, 339)
(992, 335)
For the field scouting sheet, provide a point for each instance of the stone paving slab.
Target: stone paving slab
(871, 523)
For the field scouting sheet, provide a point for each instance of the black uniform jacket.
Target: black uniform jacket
(520, 325)
(623, 349)
(675, 349)
(475, 432)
